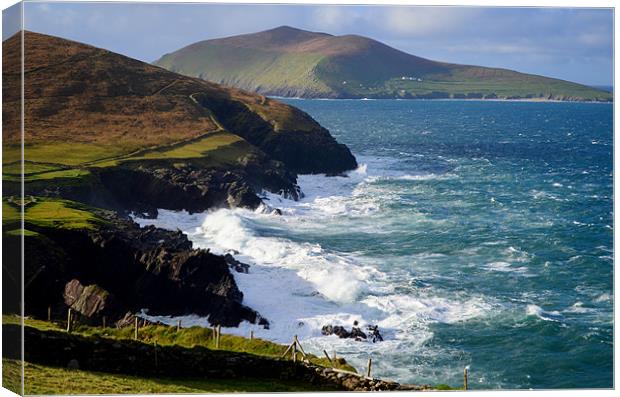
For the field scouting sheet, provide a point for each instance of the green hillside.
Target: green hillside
(296, 63)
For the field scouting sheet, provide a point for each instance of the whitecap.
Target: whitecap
(504, 267)
(534, 310)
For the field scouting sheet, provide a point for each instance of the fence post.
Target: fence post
(69, 320)
(294, 352)
(465, 378)
(103, 321)
(251, 334)
(49, 313)
(328, 358)
(135, 329)
(369, 367)
(155, 345)
(178, 325)
(219, 334)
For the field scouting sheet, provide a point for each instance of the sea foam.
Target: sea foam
(299, 286)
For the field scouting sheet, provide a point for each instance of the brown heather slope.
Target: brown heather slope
(79, 94)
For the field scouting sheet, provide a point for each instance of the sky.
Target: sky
(574, 44)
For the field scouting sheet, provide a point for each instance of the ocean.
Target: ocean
(475, 234)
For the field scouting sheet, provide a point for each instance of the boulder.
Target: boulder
(90, 301)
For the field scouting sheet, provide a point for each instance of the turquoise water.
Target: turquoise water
(474, 233)
(531, 192)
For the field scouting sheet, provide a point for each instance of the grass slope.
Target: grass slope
(51, 213)
(89, 107)
(186, 337)
(292, 62)
(50, 380)
(43, 380)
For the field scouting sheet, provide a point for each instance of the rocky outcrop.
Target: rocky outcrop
(90, 300)
(121, 267)
(311, 150)
(356, 333)
(143, 187)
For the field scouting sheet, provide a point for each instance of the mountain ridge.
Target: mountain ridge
(291, 62)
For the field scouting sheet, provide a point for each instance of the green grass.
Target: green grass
(186, 337)
(196, 149)
(40, 379)
(29, 168)
(248, 68)
(22, 232)
(48, 212)
(70, 154)
(218, 148)
(503, 88)
(12, 375)
(76, 174)
(10, 213)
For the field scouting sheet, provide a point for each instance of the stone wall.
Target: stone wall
(61, 349)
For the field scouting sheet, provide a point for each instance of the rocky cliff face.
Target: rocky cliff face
(303, 145)
(119, 134)
(121, 268)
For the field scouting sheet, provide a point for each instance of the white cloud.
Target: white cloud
(330, 18)
(421, 21)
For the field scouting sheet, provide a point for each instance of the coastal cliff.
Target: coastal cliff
(105, 136)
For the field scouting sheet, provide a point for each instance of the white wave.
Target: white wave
(606, 297)
(578, 308)
(299, 286)
(517, 255)
(504, 267)
(534, 310)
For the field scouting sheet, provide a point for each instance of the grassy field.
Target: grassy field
(40, 379)
(186, 337)
(48, 212)
(248, 68)
(47, 162)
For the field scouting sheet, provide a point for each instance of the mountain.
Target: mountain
(291, 62)
(88, 107)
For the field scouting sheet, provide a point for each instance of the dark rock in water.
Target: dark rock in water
(374, 333)
(239, 267)
(335, 330)
(327, 330)
(355, 333)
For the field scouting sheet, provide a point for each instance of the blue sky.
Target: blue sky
(570, 43)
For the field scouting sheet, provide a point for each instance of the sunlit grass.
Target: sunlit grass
(48, 212)
(41, 379)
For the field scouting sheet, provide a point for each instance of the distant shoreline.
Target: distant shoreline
(533, 100)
